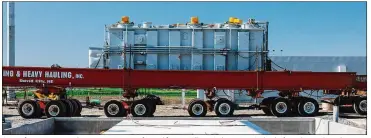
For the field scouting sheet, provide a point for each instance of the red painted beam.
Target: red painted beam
(240, 80)
(83, 77)
(76, 77)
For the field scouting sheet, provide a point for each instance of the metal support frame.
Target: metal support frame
(183, 98)
(134, 79)
(335, 111)
(11, 42)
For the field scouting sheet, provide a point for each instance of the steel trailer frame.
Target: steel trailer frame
(288, 83)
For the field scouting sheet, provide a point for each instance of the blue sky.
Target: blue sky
(61, 32)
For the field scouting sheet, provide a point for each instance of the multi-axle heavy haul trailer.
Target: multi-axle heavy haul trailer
(288, 83)
(224, 62)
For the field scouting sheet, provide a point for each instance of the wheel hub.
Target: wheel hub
(113, 109)
(281, 107)
(53, 110)
(363, 105)
(140, 109)
(224, 108)
(309, 107)
(197, 109)
(27, 109)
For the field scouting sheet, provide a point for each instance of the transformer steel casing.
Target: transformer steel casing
(187, 47)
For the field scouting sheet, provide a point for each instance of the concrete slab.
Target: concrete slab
(7, 124)
(185, 127)
(332, 128)
(359, 121)
(42, 127)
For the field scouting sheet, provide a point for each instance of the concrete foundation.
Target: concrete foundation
(83, 126)
(43, 127)
(179, 127)
(276, 126)
(7, 124)
(332, 128)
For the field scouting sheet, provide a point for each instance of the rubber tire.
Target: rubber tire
(197, 101)
(356, 106)
(295, 105)
(147, 106)
(304, 100)
(217, 105)
(267, 102)
(267, 111)
(40, 113)
(122, 111)
(69, 108)
(78, 113)
(273, 105)
(36, 107)
(61, 106)
(75, 107)
(153, 109)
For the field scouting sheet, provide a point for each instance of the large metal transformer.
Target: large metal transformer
(232, 45)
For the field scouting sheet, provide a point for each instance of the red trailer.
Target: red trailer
(288, 83)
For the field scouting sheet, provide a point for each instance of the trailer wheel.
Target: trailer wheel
(295, 105)
(75, 107)
(79, 109)
(140, 108)
(69, 107)
(153, 110)
(29, 109)
(308, 107)
(114, 108)
(360, 106)
(55, 108)
(197, 108)
(41, 105)
(224, 108)
(267, 102)
(280, 107)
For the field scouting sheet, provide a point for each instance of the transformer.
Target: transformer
(190, 46)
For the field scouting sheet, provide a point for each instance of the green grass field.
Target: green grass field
(117, 92)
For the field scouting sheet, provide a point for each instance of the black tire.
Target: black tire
(40, 112)
(225, 103)
(197, 105)
(308, 103)
(360, 105)
(58, 107)
(75, 107)
(79, 109)
(141, 108)
(69, 108)
(280, 103)
(267, 102)
(32, 108)
(114, 108)
(267, 111)
(295, 105)
(153, 110)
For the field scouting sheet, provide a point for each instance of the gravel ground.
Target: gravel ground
(10, 113)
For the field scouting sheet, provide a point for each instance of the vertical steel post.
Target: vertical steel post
(335, 111)
(11, 43)
(266, 45)
(183, 98)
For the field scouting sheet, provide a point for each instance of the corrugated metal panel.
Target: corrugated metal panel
(185, 48)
